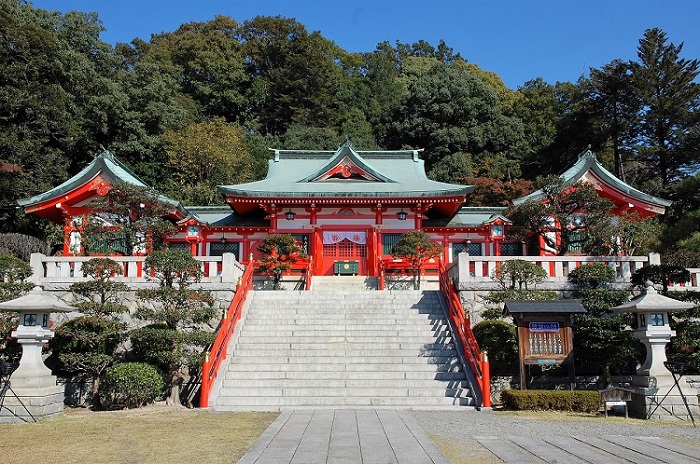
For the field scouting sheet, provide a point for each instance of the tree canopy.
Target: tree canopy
(270, 82)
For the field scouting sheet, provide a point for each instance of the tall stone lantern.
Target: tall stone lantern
(657, 393)
(34, 390)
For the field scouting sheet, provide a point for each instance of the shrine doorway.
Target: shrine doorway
(344, 253)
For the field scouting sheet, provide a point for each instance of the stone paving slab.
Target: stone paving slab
(576, 449)
(344, 437)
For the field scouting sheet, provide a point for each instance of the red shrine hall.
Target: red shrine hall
(343, 206)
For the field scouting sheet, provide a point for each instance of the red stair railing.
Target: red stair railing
(462, 326)
(217, 353)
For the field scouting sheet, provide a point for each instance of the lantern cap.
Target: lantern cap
(650, 301)
(36, 300)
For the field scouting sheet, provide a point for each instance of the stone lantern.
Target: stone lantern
(35, 390)
(654, 381)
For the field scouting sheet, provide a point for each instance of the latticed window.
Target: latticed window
(218, 249)
(511, 249)
(474, 249)
(179, 245)
(345, 249)
(577, 240)
(388, 242)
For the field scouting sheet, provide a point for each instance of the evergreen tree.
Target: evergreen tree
(669, 129)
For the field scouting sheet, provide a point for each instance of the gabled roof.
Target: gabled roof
(104, 168)
(295, 173)
(344, 174)
(588, 168)
(470, 216)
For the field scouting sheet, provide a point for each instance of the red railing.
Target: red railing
(218, 352)
(462, 326)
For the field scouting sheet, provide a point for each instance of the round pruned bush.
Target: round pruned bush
(499, 339)
(592, 275)
(130, 385)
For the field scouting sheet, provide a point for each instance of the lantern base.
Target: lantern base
(26, 404)
(659, 398)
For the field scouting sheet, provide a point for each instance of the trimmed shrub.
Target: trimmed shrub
(592, 275)
(499, 339)
(130, 385)
(586, 401)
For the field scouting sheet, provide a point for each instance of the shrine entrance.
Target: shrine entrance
(344, 253)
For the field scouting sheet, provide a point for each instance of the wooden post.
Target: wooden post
(485, 380)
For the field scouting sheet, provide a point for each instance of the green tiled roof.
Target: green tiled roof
(294, 174)
(469, 217)
(587, 161)
(105, 163)
(217, 216)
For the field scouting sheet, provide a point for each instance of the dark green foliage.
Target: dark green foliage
(524, 295)
(520, 272)
(100, 296)
(13, 272)
(660, 274)
(415, 247)
(552, 400)
(22, 246)
(280, 252)
(127, 220)
(182, 311)
(499, 340)
(603, 342)
(130, 385)
(564, 218)
(87, 344)
(593, 275)
(685, 346)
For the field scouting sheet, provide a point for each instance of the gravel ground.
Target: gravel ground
(455, 431)
(464, 425)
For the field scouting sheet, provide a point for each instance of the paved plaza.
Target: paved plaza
(401, 437)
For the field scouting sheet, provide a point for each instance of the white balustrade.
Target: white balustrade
(68, 269)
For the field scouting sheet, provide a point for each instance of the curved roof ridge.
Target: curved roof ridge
(587, 161)
(346, 151)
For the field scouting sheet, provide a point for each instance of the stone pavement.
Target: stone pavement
(344, 437)
(388, 436)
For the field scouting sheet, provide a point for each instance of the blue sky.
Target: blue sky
(558, 40)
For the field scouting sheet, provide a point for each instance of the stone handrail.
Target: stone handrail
(475, 271)
(67, 269)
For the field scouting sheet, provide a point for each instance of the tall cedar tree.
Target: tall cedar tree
(669, 143)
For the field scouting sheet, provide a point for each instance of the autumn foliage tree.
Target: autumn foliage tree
(415, 247)
(280, 252)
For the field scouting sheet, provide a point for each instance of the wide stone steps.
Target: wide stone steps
(335, 375)
(343, 349)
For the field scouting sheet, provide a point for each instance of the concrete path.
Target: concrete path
(344, 437)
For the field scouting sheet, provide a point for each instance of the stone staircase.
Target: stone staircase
(342, 349)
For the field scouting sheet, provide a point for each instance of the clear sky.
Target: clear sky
(558, 40)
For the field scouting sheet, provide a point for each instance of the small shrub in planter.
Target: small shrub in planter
(130, 385)
(586, 401)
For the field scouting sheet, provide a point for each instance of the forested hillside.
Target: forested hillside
(199, 106)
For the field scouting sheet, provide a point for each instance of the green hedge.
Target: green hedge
(130, 385)
(552, 400)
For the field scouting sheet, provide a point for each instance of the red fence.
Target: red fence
(218, 352)
(462, 326)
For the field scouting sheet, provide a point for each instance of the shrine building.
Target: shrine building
(341, 206)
